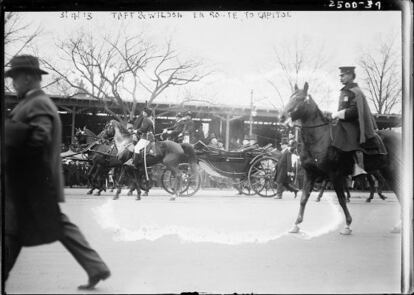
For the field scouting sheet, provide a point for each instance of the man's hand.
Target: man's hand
(339, 115)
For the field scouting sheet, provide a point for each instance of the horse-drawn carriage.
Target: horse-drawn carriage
(252, 169)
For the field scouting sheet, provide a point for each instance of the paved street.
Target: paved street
(219, 242)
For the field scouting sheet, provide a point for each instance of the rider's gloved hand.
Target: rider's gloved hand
(339, 115)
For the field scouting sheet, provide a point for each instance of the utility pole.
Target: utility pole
(251, 116)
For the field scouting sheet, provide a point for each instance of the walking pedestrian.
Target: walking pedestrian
(284, 170)
(34, 181)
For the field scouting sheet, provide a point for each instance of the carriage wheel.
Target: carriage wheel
(190, 183)
(261, 176)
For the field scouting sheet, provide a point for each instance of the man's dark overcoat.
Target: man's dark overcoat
(34, 180)
(283, 167)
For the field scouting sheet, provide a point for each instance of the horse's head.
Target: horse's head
(80, 136)
(109, 129)
(299, 105)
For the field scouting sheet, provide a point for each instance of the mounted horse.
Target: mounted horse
(100, 153)
(322, 160)
(169, 153)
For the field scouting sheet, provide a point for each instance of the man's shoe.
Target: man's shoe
(94, 280)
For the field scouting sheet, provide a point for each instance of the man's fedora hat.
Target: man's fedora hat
(24, 63)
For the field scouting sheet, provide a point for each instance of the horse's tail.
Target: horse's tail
(190, 154)
(393, 142)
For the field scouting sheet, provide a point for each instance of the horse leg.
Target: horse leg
(135, 183)
(371, 183)
(119, 183)
(338, 184)
(306, 191)
(322, 189)
(177, 183)
(348, 194)
(381, 182)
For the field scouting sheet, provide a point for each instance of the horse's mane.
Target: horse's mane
(124, 131)
(323, 115)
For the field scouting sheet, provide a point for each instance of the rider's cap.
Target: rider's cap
(347, 70)
(148, 111)
(292, 142)
(189, 113)
(179, 115)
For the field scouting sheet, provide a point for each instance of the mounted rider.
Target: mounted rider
(356, 126)
(175, 132)
(144, 131)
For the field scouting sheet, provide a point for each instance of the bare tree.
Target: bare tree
(382, 76)
(299, 60)
(121, 69)
(18, 36)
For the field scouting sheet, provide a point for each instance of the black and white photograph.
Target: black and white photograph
(208, 151)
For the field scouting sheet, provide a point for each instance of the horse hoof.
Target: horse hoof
(89, 193)
(368, 200)
(172, 198)
(317, 200)
(138, 199)
(346, 231)
(145, 194)
(129, 194)
(116, 198)
(97, 194)
(294, 230)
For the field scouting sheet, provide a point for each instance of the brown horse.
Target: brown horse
(321, 160)
(167, 152)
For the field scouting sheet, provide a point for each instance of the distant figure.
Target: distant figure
(284, 170)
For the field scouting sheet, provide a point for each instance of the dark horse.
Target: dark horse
(321, 160)
(101, 154)
(169, 153)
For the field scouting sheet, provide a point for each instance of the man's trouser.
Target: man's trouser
(359, 158)
(72, 239)
(281, 187)
(142, 143)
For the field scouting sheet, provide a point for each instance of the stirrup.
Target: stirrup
(358, 171)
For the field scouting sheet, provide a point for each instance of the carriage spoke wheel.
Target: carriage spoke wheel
(190, 182)
(261, 176)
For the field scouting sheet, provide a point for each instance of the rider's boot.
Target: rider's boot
(359, 164)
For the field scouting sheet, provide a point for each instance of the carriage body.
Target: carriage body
(252, 169)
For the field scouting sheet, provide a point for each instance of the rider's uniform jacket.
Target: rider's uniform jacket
(146, 126)
(176, 129)
(356, 126)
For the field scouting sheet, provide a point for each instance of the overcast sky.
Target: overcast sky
(239, 47)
